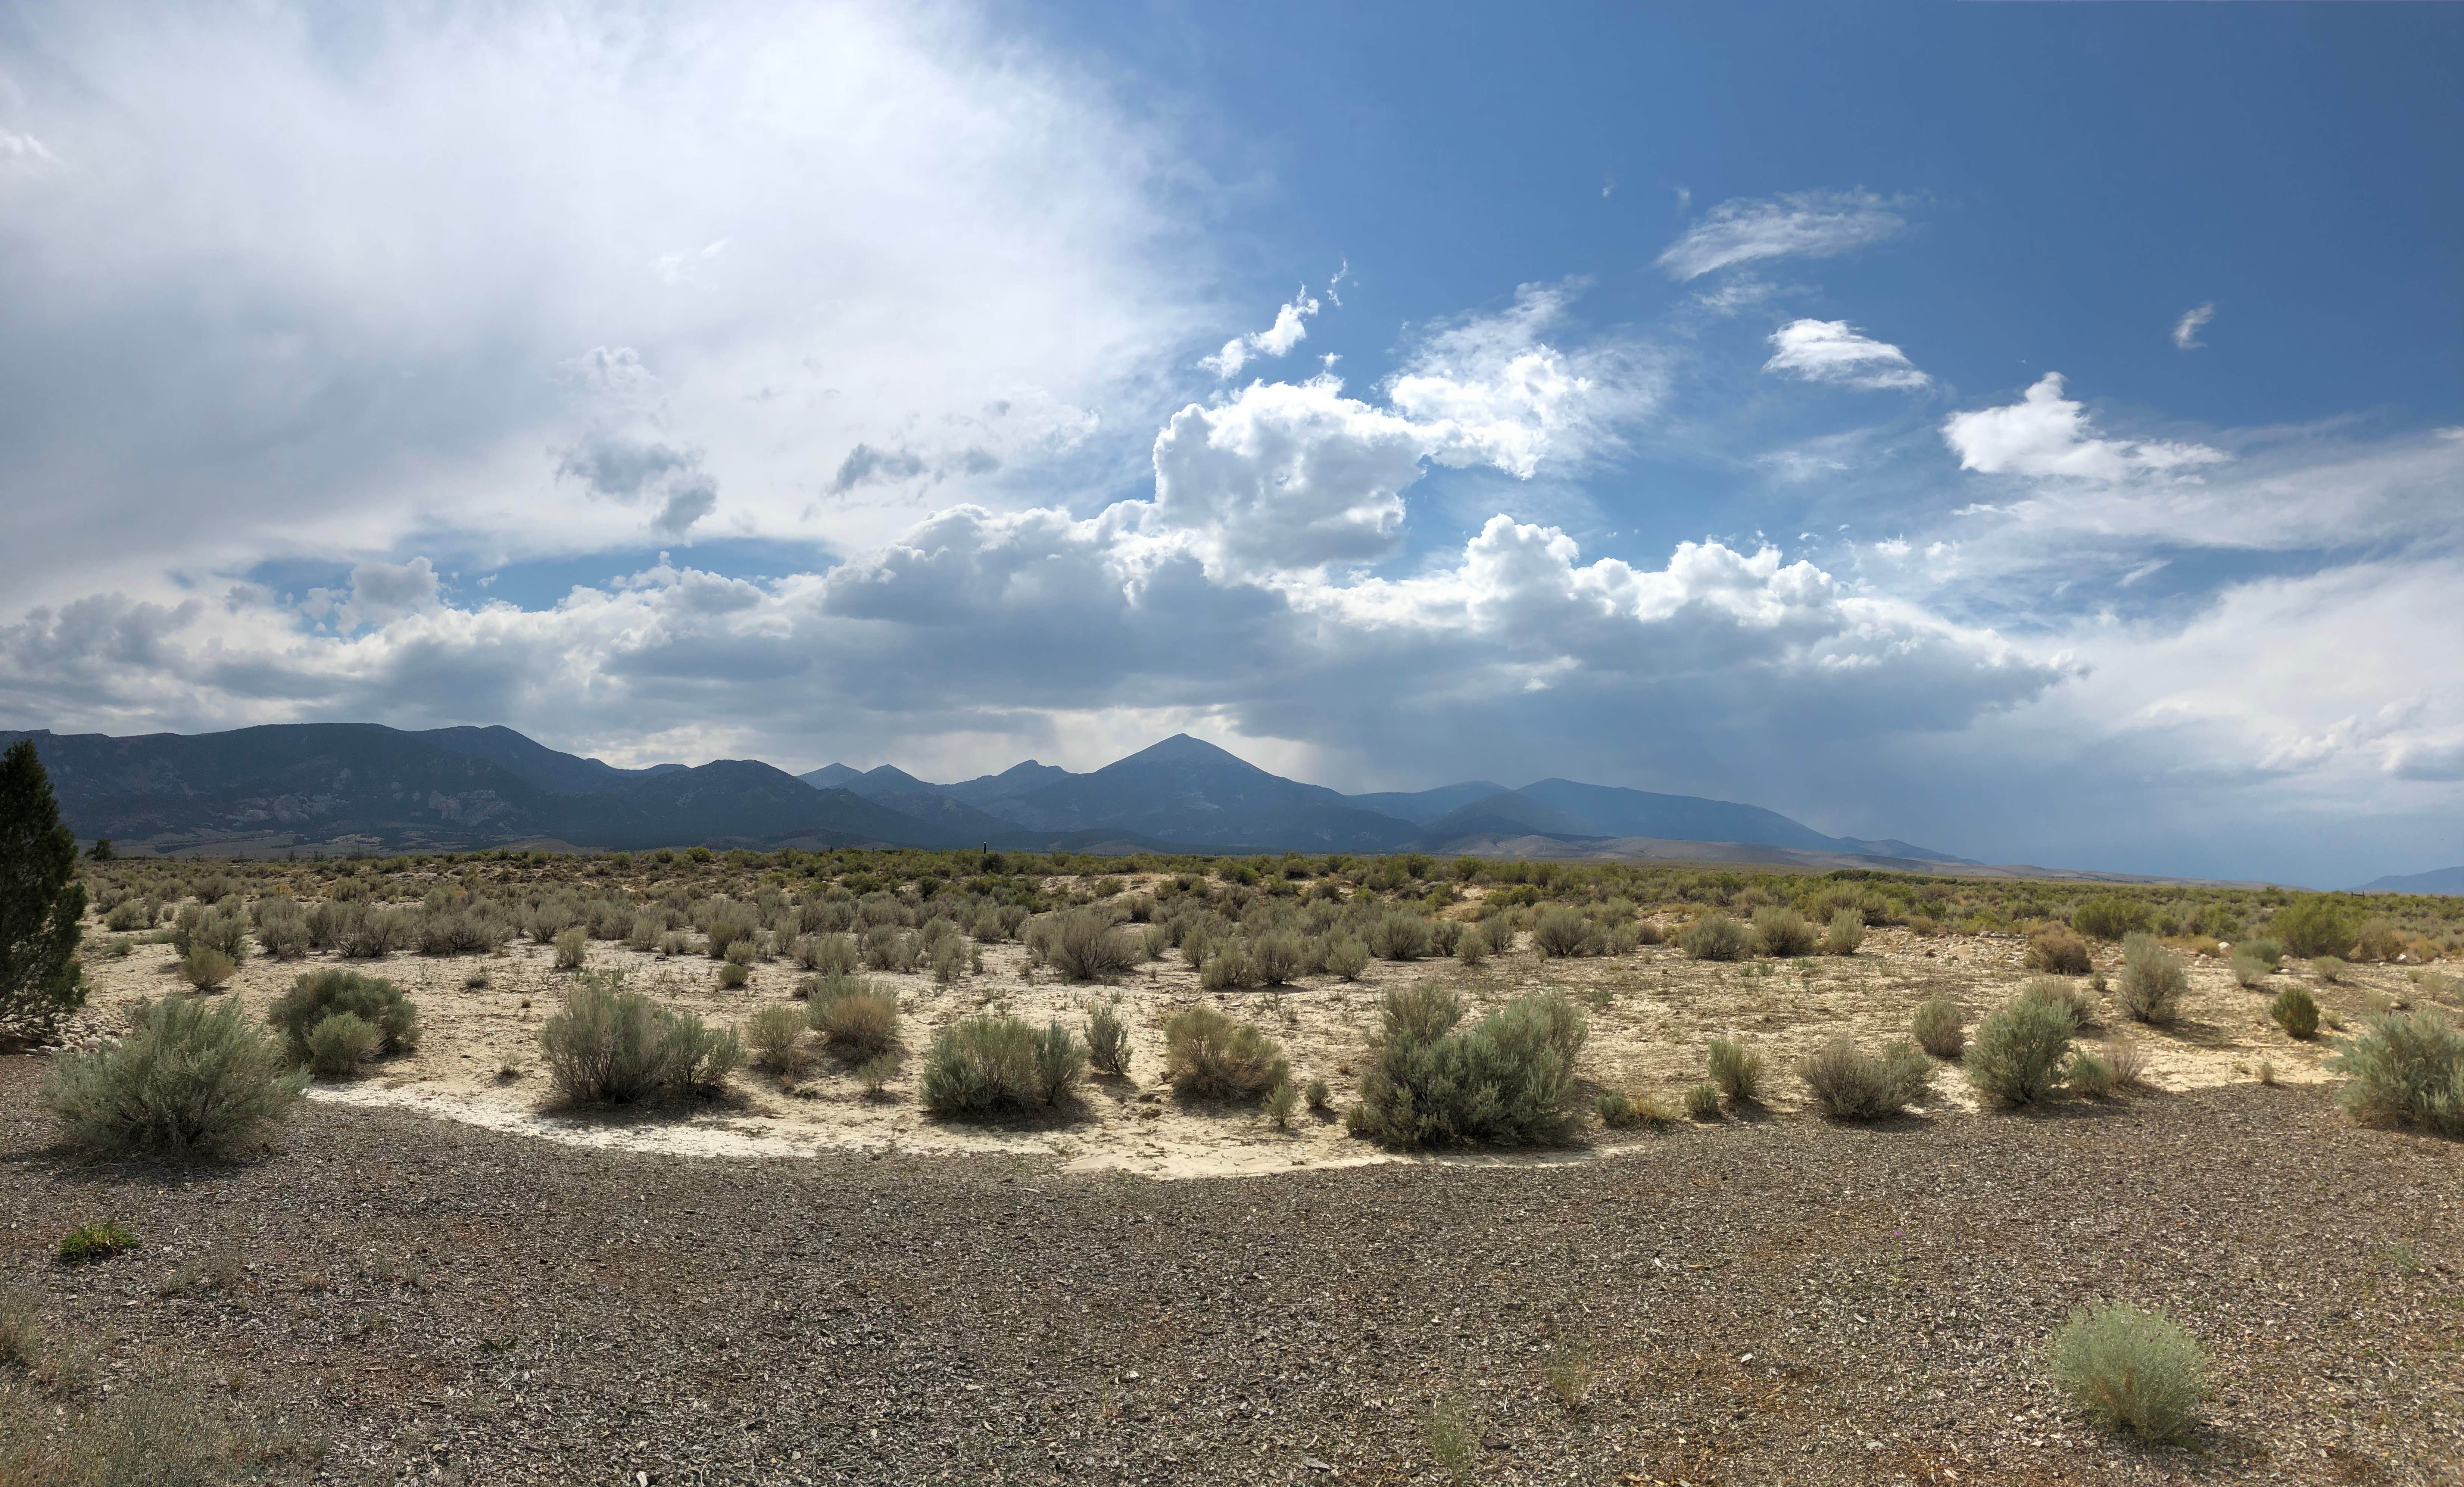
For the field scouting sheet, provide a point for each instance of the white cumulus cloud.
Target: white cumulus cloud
(1837, 353)
(1289, 330)
(2045, 433)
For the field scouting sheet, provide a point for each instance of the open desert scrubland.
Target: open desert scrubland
(1652, 1011)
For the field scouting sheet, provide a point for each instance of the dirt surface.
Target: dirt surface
(1651, 1015)
(1780, 1301)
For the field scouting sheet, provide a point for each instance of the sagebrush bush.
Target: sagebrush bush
(1085, 945)
(199, 925)
(775, 1035)
(2131, 1369)
(1319, 1095)
(1736, 1071)
(1347, 958)
(2076, 1004)
(1277, 958)
(319, 994)
(2020, 1049)
(1847, 932)
(856, 1021)
(2408, 1068)
(1782, 932)
(2328, 969)
(2109, 917)
(1398, 934)
(207, 969)
(1851, 1085)
(2058, 950)
(1561, 931)
(1938, 1026)
(2296, 1012)
(2153, 980)
(2249, 970)
(830, 954)
(2314, 924)
(1108, 1040)
(2090, 1075)
(339, 1044)
(1209, 1054)
(2378, 940)
(1714, 937)
(980, 1065)
(1228, 967)
(190, 1078)
(1508, 1080)
(1281, 1102)
(1702, 1101)
(610, 1046)
(572, 947)
(282, 929)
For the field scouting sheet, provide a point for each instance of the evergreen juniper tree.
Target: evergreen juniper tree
(41, 902)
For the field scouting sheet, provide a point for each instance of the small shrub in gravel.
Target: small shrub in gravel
(1847, 932)
(1851, 1085)
(1453, 1438)
(2249, 971)
(1736, 1071)
(1398, 934)
(1281, 1102)
(2057, 949)
(2296, 1012)
(2406, 1069)
(2020, 1049)
(190, 1078)
(572, 947)
(1621, 1110)
(2075, 1004)
(1084, 944)
(1319, 1096)
(1714, 937)
(1210, 1055)
(775, 1035)
(733, 974)
(2090, 1077)
(207, 969)
(2153, 980)
(1702, 1101)
(1782, 932)
(339, 1045)
(319, 994)
(611, 1047)
(856, 1021)
(1347, 958)
(1508, 1080)
(875, 1074)
(1561, 932)
(1108, 1040)
(2131, 1370)
(1938, 1028)
(89, 1243)
(2328, 969)
(980, 1065)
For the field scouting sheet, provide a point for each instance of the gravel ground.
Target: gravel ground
(1771, 1301)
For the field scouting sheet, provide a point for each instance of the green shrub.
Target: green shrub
(830, 954)
(611, 1047)
(1846, 933)
(1561, 932)
(2090, 1075)
(2153, 980)
(1714, 937)
(89, 1243)
(1348, 957)
(1937, 1028)
(1471, 948)
(572, 947)
(207, 969)
(2131, 1370)
(1736, 1071)
(1702, 1101)
(643, 934)
(2377, 940)
(341, 1043)
(2296, 1012)
(2076, 1004)
(2020, 1049)
(1398, 934)
(319, 994)
(192, 1078)
(1281, 1101)
(2265, 949)
(1060, 1063)
(2249, 970)
(1208, 1054)
(980, 1065)
(1782, 932)
(875, 1074)
(1084, 944)
(856, 1021)
(198, 926)
(2406, 1067)
(1851, 1085)
(2109, 917)
(775, 1035)
(131, 914)
(733, 974)
(1616, 1109)
(2060, 950)
(1108, 1040)
(2314, 924)
(2329, 969)
(1508, 1080)
(1228, 967)
(282, 929)
(1319, 1096)
(1277, 958)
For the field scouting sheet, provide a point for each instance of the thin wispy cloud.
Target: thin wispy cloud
(1801, 224)
(1837, 353)
(2186, 330)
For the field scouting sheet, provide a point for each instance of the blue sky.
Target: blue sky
(2032, 432)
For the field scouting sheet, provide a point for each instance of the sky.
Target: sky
(2035, 433)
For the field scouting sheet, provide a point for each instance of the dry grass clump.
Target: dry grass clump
(1714, 937)
(191, 1078)
(2060, 950)
(1851, 1085)
(1937, 1028)
(2407, 1069)
(1736, 1071)
(981, 1065)
(1509, 1080)
(1210, 1055)
(2131, 1370)
(2153, 980)
(613, 1047)
(2019, 1051)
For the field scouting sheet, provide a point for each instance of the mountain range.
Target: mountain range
(363, 786)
